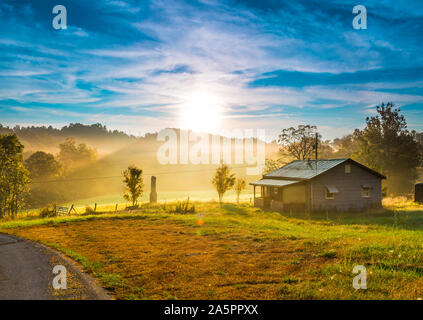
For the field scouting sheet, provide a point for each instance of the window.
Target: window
(366, 191)
(329, 196)
(347, 168)
(330, 192)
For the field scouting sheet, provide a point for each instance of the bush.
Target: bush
(89, 210)
(184, 207)
(47, 213)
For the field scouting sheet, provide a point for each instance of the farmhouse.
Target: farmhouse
(310, 185)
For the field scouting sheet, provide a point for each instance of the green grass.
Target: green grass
(107, 203)
(388, 242)
(205, 195)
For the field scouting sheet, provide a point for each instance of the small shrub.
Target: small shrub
(47, 213)
(88, 209)
(184, 207)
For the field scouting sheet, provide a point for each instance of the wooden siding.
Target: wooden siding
(294, 194)
(350, 189)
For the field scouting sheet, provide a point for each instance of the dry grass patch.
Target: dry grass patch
(241, 252)
(165, 260)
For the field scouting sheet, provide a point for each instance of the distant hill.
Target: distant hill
(116, 151)
(170, 177)
(48, 138)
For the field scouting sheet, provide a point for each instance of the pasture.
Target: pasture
(240, 252)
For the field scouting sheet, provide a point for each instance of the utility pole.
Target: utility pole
(316, 147)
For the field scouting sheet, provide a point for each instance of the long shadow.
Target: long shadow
(235, 209)
(400, 219)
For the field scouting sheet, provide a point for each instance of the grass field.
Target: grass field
(239, 252)
(107, 203)
(206, 195)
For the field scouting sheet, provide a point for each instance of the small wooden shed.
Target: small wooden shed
(309, 185)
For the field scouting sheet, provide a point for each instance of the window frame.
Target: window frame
(366, 192)
(348, 171)
(328, 195)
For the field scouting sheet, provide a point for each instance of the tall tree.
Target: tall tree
(223, 180)
(134, 183)
(387, 146)
(14, 177)
(73, 155)
(345, 146)
(298, 142)
(43, 165)
(240, 185)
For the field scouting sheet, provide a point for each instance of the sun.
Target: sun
(201, 112)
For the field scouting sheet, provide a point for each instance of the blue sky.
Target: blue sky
(137, 65)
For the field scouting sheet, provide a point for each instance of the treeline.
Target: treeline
(73, 129)
(45, 165)
(48, 173)
(48, 137)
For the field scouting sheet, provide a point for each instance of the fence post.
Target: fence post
(153, 192)
(95, 207)
(116, 208)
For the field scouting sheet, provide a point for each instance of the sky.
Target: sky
(141, 66)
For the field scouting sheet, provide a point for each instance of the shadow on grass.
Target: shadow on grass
(401, 219)
(239, 209)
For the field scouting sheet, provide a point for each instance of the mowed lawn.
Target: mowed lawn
(239, 252)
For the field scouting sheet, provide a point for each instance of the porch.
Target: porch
(280, 195)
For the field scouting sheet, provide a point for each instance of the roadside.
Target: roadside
(26, 273)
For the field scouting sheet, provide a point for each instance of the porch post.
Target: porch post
(254, 187)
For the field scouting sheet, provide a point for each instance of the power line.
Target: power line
(147, 174)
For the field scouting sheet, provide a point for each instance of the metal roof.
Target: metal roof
(304, 169)
(308, 169)
(273, 183)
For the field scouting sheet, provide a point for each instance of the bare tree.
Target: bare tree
(298, 142)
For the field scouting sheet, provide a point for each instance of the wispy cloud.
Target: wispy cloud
(127, 59)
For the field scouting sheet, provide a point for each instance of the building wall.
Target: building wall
(294, 194)
(350, 189)
(259, 203)
(277, 206)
